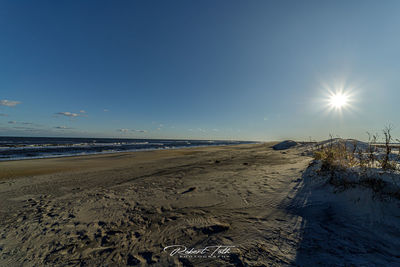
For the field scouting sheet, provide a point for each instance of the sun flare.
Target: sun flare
(338, 100)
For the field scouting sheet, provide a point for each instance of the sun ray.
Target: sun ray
(338, 100)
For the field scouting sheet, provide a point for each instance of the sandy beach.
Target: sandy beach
(129, 209)
(125, 208)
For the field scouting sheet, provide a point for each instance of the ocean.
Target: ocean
(16, 148)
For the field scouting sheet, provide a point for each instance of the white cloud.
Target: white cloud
(82, 111)
(30, 129)
(215, 130)
(68, 114)
(105, 110)
(24, 123)
(62, 127)
(20, 129)
(128, 130)
(9, 103)
(201, 130)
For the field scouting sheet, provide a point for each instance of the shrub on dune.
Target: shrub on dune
(350, 162)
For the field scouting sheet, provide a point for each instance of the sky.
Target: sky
(243, 70)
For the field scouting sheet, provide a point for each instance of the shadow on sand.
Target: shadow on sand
(335, 231)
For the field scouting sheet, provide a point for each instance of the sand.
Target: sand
(129, 208)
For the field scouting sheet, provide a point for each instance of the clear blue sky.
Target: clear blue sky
(252, 70)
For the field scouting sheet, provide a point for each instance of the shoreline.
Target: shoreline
(122, 151)
(37, 166)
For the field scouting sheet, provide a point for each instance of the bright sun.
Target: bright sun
(338, 100)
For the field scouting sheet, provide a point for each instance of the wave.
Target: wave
(15, 148)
